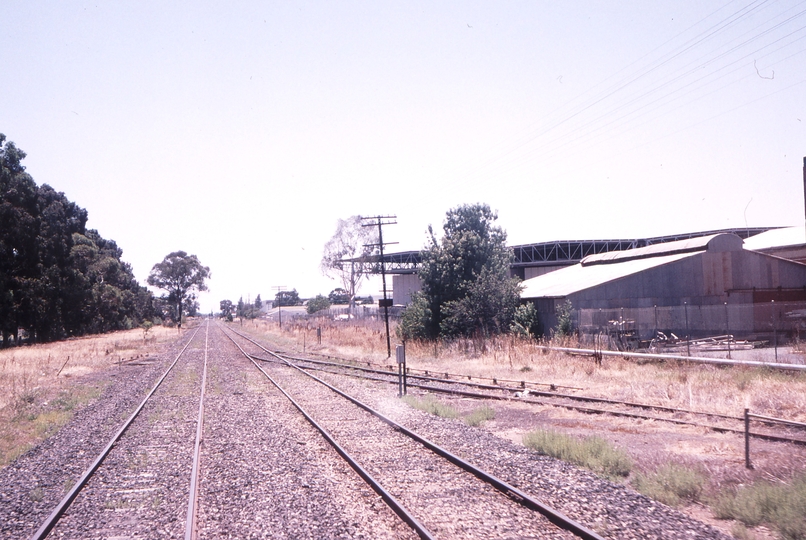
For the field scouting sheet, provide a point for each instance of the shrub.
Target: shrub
(782, 505)
(525, 322)
(671, 484)
(480, 415)
(415, 320)
(593, 453)
(317, 304)
(565, 319)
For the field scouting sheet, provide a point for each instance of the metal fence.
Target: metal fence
(784, 321)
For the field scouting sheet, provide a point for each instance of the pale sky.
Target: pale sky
(241, 131)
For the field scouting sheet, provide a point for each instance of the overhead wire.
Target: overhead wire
(615, 114)
(659, 101)
(612, 89)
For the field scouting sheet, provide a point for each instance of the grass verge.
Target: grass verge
(28, 423)
(781, 505)
(672, 484)
(479, 416)
(593, 453)
(432, 406)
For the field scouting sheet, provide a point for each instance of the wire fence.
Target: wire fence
(784, 321)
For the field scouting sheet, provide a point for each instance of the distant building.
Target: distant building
(711, 271)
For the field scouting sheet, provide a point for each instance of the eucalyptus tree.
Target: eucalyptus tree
(179, 274)
(348, 254)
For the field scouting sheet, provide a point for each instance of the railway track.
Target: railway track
(433, 490)
(547, 394)
(216, 451)
(126, 489)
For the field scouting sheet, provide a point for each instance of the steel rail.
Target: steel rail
(390, 500)
(425, 373)
(541, 393)
(512, 492)
(773, 420)
(590, 410)
(698, 359)
(190, 523)
(57, 512)
(428, 377)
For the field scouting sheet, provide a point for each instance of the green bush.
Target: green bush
(565, 319)
(593, 453)
(781, 505)
(480, 415)
(415, 320)
(671, 484)
(432, 406)
(317, 304)
(525, 322)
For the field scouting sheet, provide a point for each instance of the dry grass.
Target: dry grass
(707, 388)
(674, 384)
(41, 385)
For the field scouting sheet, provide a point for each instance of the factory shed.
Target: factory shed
(788, 243)
(694, 274)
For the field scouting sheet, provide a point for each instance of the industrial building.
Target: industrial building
(531, 260)
(697, 287)
(749, 282)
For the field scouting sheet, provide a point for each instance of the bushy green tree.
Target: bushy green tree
(465, 275)
(339, 296)
(525, 323)
(179, 274)
(226, 309)
(415, 322)
(287, 298)
(318, 303)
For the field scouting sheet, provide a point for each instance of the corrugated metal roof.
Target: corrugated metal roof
(680, 246)
(786, 237)
(565, 281)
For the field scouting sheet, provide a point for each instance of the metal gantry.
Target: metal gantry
(555, 253)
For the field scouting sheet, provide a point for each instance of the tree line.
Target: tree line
(58, 278)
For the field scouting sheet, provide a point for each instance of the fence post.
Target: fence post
(747, 463)
(727, 328)
(688, 337)
(656, 321)
(774, 331)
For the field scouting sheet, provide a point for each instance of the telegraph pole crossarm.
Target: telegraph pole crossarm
(380, 221)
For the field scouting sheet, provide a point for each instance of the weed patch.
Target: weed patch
(431, 406)
(671, 484)
(781, 505)
(593, 453)
(479, 416)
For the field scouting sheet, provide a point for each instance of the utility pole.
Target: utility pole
(380, 221)
(279, 289)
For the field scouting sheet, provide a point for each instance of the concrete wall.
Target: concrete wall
(403, 286)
